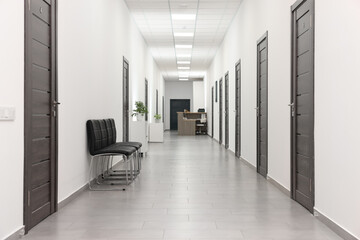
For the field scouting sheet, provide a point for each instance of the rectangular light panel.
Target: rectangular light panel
(183, 16)
(183, 55)
(179, 34)
(183, 46)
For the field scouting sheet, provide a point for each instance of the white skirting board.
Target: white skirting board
(328, 222)
(334, 226)
(16, 235)
(279, 186)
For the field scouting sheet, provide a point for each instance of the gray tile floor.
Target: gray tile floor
(189, 188)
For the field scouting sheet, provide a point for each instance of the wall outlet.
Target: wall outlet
(7, 113)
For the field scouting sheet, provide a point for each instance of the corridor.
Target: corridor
(189, 188)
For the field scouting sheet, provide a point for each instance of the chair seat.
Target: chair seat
(117, 149)
(136, 145)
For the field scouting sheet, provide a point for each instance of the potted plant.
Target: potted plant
(157, 118)
(140, 110)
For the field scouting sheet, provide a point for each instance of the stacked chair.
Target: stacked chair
(103, 147)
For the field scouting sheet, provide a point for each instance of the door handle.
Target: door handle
(55, 105)
(292, 106)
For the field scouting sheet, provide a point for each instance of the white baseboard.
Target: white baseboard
(279, 186)
(73, 196)
(247, 163)
(342, 232)
(17, 234)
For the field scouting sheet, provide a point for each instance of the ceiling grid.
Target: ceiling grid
(179, 32)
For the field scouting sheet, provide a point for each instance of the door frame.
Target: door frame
(28, 109)
(238, 110)
(226, 106)
(220, 111)
(163, 109)
(293, 91)
(212, 111)
(157, 102)
(126, 108)
(216, 91)
(258, 99)
(147, 99)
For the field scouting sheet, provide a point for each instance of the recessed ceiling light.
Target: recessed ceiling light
(183, 5)
(183, 34)
(183, 46)
(183, 16)
(183, 62)
(183, 79)
(183, 68)
(183, 75)
(183, 55)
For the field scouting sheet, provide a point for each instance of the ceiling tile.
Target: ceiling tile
(153, 18)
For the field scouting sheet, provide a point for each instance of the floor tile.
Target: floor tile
(190, 188)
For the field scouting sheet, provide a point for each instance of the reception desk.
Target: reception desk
(190, 123)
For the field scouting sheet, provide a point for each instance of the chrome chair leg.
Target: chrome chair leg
(90, 171)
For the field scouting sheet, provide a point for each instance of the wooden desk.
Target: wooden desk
(187, 123)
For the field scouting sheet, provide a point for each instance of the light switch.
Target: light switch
(7, 113)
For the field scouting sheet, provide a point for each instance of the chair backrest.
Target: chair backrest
(111, 130)
(94, 135)
(100, 133)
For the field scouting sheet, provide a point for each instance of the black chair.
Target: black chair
(102, 146)
(111, 130)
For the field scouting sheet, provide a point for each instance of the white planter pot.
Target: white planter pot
(139, 117)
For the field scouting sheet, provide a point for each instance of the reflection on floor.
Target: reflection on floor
(189, 188)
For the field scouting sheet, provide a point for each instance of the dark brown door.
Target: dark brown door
(220, 111)
(126, 100)
(227, 110)
(40, 169)
(146, 99)
(177, 105)
(238, 109)
(262, 105)
(302, 105)
(216, 91)
(163, 109)
(212, 112)
(157, 102)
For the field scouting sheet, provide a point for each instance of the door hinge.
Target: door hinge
(28, 199)
(310, 185)
(310, 21)
(29, 3)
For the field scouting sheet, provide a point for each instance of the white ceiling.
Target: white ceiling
(213, 18)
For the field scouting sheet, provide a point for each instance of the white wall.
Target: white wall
(90, 77)
(336, 96)
(93, 37)
(199, 95)
(251, 22)
(156, 82)
(11, 133)
(337, 114)
(177, 90)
